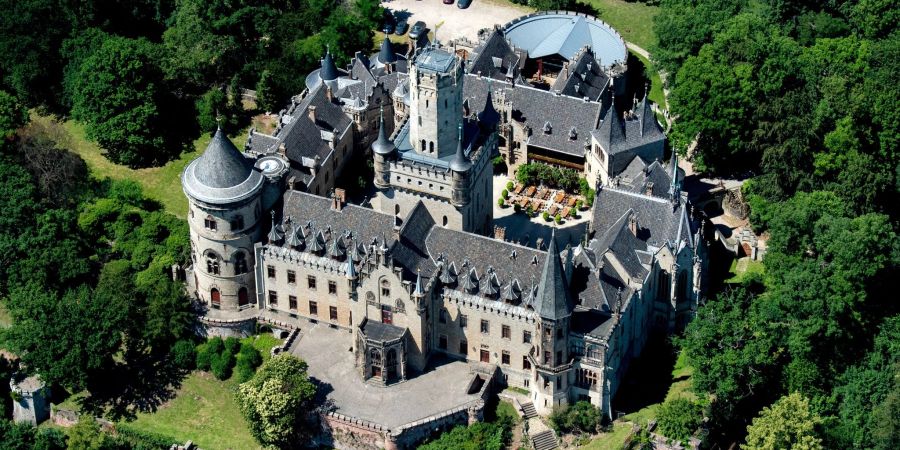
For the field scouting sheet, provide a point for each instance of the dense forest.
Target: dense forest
(139, 73)
(802, 96)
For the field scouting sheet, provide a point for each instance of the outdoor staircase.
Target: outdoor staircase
(545, 440)
(528, 410)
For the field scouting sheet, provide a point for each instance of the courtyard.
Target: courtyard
(528, 230)
(450, 22)
(331, 364)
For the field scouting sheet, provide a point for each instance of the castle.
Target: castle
(414, 276)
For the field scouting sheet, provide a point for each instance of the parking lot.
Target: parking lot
(452, 22)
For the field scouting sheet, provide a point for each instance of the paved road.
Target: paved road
(454, 22)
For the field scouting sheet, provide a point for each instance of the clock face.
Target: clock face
(269, 165)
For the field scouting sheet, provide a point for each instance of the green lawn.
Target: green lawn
(633, 20)
(162, 184)
(205, 410)
(610, 441)
(742, 267)
(656, 85)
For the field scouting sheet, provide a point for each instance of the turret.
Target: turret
(460, 168)
(382, 152)
(223, 191)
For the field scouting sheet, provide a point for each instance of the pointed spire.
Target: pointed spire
(274, 235)
(488, 117)
(386, 54)
(460, 162)
(382, 145)
(350, 269)
(329, 71)
(420, 287)
(553, 298)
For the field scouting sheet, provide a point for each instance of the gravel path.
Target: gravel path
(452, 22)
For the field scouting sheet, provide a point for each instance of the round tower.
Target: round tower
(461, 168)
(382, 152)
(224, 196)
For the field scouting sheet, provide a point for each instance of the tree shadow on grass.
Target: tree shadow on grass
(648, 378)
(141, 385)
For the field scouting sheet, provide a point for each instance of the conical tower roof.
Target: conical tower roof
(329, 71)
(553, 299)
(489, 116)
(221, 174)
(611, 133)
(382, 145)
(460, 162)
(386, 54)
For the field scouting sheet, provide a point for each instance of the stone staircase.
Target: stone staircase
(528, 410)
(545, 440)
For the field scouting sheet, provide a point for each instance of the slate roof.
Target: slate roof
(315, 215)
(659, 219)
(221, 174)
(381, 332)
(591, 322)
(261, 143)
(553, 299)
(494, 58)
(534, 107)
(654, 179)
(564, 33)
(617, 134)
(302, 138)
(584, 77)
(466, 251)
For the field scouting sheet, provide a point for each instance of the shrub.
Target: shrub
(578, 204)
(517, 208)
(546, 216)
(510, 185)
(250, 354)
(243, 370)
(232, 345)
(558, 219)
(221, 365)
(183, 354)
(500, 202)
(216, 345)
(505, 194)
(529, 210)
(679, 418)
(582, 417)
(204, 357)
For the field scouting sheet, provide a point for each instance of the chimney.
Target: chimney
(633, 225)
(337, 199)
(311, 110)
(282, 149)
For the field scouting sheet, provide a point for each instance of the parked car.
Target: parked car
(417, 30)
(402, 28)
(448, 2)
(463, 4)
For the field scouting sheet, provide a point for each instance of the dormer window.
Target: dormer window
(210, 223)
(547, 127)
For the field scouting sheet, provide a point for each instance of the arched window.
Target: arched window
(242, 296)
(215, 298)
(385, 288)
(397, 210)
(431, 146)
(212, 263)
(445, 221)
(240, 263)
(210, 223)
(423, 140)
